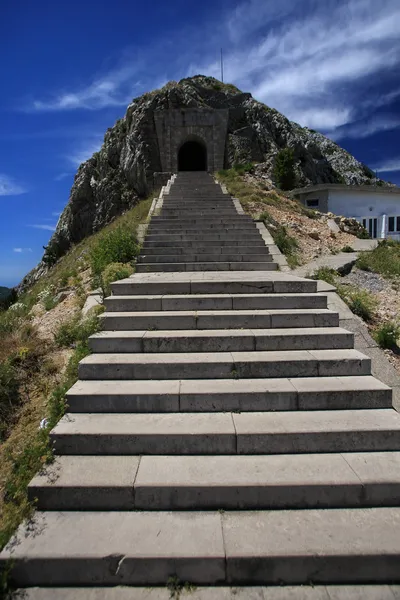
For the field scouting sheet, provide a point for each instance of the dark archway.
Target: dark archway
(192, 156)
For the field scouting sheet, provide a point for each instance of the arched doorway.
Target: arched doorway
(192, 156)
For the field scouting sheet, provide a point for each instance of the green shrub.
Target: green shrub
(76, 330)
(387, 335)
(384, 259)
(284, 173)
(363, 234)
(286, 243)
(9, 393)
(116, 246)
(241, 169)
(325, 274)
(347, 249)
(361, 303)
(114, 272)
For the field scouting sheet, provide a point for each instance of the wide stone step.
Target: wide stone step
(225, 482)
(192, 257)
(221, 395)
(215, 302)
(222, 340)
(209, 266)
(225, 365)
(193, 213)
(229, 319)
(210, 249)
(201, 223)
(217, 238)
(228, 433)
(145, 548)
(280, 592)
(213, 283)
(192, 216)
(199, 245)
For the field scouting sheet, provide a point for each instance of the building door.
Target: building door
(371, 225)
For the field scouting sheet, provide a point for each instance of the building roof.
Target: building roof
(322, 187)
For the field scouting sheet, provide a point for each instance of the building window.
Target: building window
(313, 203)
(394, 224)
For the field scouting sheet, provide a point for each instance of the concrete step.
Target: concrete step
(256, 242)
(192, 216)
(280, 592)
(205, 249)
(224, 239)
(194, 213)
(288, 481)
(215, 302)
(221, 395)
(229, 319)
(144, 548)
(203, 237)
(206, 266)
(213, 283)
(225, 365)
(303, 432)
(193, 257)
(203, 225)
(222, 340)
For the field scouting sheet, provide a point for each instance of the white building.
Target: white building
(377, 208)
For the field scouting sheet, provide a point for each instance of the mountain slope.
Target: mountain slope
(123, 170)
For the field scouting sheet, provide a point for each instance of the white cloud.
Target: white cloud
(388, 166)
(8, 187)
(311, 60)
(61, 176)
(115, 88)
(364, 129)
(84, 151)
(44, 226)
(56, 214)
(21, 250)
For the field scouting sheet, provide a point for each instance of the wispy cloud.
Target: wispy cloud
(62, 176)
(44, 226)
(367, 128)
(312, 61)
(8, 187)
(114, 88)
(56, 214)
(389, 166)
(84, 151)
(21, 250)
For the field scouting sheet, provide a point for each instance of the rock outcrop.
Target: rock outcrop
(123, 170)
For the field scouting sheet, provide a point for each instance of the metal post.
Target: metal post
(222, 68)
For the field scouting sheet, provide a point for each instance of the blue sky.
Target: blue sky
(69, 69)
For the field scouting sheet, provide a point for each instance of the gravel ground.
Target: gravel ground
(368, 281)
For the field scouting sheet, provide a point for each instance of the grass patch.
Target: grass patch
(77, 330)
(325, 274)
(116, 246)
(347, 249)
(286, 243)
(384, 259)
(114, 272)
(387, 335)
(361, 302)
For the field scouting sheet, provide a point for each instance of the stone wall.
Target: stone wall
(176, 126)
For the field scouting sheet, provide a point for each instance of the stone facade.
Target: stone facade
(176, 126)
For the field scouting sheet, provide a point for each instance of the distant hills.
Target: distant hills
(4, 292)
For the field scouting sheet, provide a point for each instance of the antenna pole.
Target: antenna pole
(222, 67)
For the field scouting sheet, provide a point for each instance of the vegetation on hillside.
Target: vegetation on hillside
(384, 259)
(36, 373)
(284, 173)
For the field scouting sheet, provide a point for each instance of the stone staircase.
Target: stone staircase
(224, 432)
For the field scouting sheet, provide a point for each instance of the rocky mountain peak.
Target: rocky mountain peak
(126, 167)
